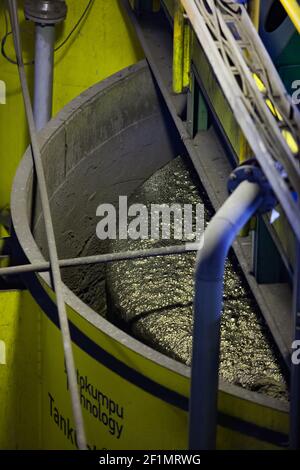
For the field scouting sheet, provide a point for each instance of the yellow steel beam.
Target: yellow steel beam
(255, 12)
(292, 8)
(186, 56)
(181, 50)
(178, 48)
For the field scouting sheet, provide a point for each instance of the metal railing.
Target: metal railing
(255, 93)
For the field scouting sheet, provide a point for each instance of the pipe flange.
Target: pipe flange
(250, 171)
(45, 12)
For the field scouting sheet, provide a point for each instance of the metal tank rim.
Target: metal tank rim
(20, 188)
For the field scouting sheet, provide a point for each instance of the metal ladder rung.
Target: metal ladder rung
(243, 44)
(235, 71)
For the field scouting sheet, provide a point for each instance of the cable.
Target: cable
(57, 48)
(3, 43)
(89, 5)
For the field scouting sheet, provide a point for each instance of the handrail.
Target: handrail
(292, 8)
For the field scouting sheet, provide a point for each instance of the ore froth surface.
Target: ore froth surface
(153, 298)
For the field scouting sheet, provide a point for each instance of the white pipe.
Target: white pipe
(218, 238)
(43, 74)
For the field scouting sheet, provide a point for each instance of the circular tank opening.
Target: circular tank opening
(275, 18)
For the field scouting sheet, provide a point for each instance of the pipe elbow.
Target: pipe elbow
(216, 243)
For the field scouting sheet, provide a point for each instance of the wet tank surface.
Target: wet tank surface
(153, 298)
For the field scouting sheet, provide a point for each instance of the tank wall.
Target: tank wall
(116, 139)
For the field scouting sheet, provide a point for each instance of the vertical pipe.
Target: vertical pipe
(218, 237)
(295, 368)
(43, 74)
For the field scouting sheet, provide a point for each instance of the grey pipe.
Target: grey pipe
(45, 266)
(218, 237)
(43, 74)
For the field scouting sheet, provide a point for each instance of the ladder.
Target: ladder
(259, 101)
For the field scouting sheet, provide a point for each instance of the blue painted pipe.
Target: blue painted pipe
(43, 74)
(218, 238)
